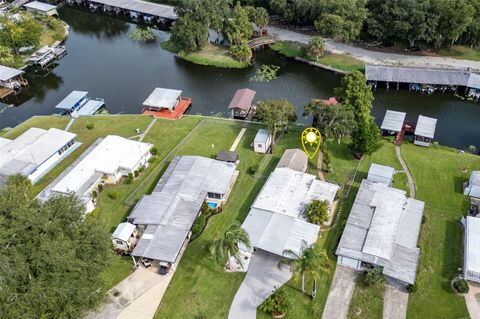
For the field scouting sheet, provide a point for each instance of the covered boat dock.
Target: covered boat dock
(78, 103)
(166, 103)
(11, 81)
(241, 103)
(393, 123)
(425, 130)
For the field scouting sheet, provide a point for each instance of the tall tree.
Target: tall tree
(189, 35)
(50, 259)
(276, 115)
(22, 32)
(239, 29)
(233, 236)
(316, 47)
(454, 16)
(309, 261)
(357, 95)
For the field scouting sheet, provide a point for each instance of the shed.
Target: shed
(393, 121)
(124, 236)
(381, 174)
(227, 156)
(262, 141)
(425, 130)
(163, 99)
(471, 255)
(73, 101)
(295, 159)
(241, 103)
(473, 188)
(41, 8)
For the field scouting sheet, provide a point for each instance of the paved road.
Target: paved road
(395, 300)
(262, 276)
(340, 294)
(374, 57)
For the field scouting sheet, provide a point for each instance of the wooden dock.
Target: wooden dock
(176, 114)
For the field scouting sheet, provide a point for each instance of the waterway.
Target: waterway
(104, 61)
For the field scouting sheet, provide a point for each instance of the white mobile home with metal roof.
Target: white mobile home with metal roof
(471, 255)
(34, 153)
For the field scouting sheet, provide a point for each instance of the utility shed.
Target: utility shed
(425, 130)
(241, 103)
(41, 8)
(471, 246)
(263, 141)
(295, 159)
(473, 188)
(381, 174)
(393, 121)
(163, 99)
(382, 230)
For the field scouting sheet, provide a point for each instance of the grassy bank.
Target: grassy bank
(341, 62)
(211, 55)
(460, 52)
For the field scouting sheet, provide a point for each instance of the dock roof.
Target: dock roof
(381, 174)
(382, 229)
(163, 98)
(295, 159)
(426, 126)
(70, 100)
(242, 99)
(393, 121)
(40, 6)
(7, 73)
(91, 107)
(156, 9)
(174, 204)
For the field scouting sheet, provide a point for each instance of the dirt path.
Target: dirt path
(319, 166)
(374, 57)
(411, 184)
(238, 139)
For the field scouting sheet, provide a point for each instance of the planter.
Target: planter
(279, 315)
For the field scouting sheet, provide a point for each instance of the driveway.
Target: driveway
(472, 299)
(262, 276)
(395, 300)
(340, 294)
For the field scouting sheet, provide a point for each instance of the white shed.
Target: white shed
(381, 174)
(124, 237)
(262, 141)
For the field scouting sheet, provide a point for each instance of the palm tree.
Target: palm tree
(316, 47)
(234, 235)
(308, 260)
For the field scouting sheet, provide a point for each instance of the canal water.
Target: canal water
(104, 61)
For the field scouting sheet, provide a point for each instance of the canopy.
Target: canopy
(163, 98)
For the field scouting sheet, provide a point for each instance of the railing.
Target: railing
(262, 41)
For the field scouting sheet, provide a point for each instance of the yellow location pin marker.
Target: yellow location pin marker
(311, 140)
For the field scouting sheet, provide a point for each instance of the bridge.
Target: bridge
(262, 41)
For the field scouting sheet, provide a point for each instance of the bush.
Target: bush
(461, 286)
(278, 303)
(412, 288)
(140, 34)
(472, 149)
(253, 169)
(89, 126)
(94, 194)
(112, 194)
(424, 219)
(154, 151)
(374, 277)
(136, 173)
(317, 211)
(95, 212)
(199, 225)
(241, 53)
(100, 187)
(141, 169)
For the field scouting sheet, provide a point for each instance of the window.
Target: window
(260, 145)
(119, 242)
(214, 196)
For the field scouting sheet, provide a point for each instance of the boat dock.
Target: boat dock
(46, 55)
(167, 104)
(77, 103)
(135, 9)
(11, 81)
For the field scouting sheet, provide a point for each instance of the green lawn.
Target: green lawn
(439, 174)
(460, 52)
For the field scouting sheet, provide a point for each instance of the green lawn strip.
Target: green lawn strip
(460, 52)
(367, 301)
(439, 173)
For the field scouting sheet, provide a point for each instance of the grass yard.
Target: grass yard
(439, 173)
(367, 301)
(460, 52)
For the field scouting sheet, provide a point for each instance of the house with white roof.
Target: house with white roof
(393, 121)
(162, 98)
(35, 152)
(105, 162)
(382, 230)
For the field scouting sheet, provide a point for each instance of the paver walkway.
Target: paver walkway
(395, 300)
(142, 136)
(238, 139)
(411, 183)
(262, 276)
(472, 300)
(375, 57)
(340, 294)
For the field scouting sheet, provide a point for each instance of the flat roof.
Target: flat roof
(7, 73)
(242, 99)
(41, 6)
(381, 173)
(393, 121)
(472, 246)
(382, 229)
(175, 202)
(163, 98)
(29, 150)
(426, 126)
(71, 100)
(295, 159)
(156, 9)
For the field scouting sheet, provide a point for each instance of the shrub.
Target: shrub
(112, 194)
(424, 219)
(472, 149)
(241, 53)
(142, 35)
(461, 286)
(89, 126)
(374, 277)
(278, 303)
(95, 212)
(152, 160)
(199, 225)
(100, 187)
(317, 211)
(136, 173)
(412, 288)
(141, 169)
(94, 194)
(154, 151)
(253, 169)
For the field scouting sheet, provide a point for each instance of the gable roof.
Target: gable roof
(295, 159)
(123, 231)
(242, 99)
(381, 173)
(393, 121)
(426, 126)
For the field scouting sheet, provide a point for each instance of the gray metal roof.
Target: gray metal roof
(160, 10)
(383, 229)
(7, 73)
(472, 247)
(381, 173)
(40, 6)
(91, 107)
(393, 121)
(71, 100)
(262, 136)
(295, 159)
(227, 156)
(473, 187)
(426, 126)
(175, 203)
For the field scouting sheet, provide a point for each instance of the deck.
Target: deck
(4, 92)
(176, 114)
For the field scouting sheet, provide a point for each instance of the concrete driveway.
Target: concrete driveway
(472, 299)
(395, 300)
(341, 292)
(262, 276)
